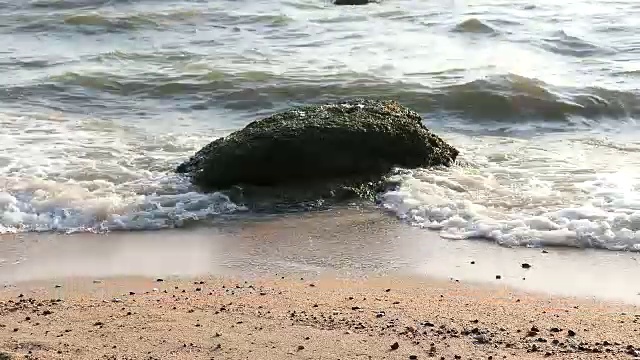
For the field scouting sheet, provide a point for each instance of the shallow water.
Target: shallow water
(101, 99)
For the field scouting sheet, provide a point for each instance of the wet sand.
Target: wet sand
(346, 243)
(311, 286)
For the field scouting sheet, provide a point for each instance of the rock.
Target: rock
(352, 2)
(395, 346)
(331, 151)
(526, 266)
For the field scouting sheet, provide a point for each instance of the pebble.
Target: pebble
(395, 346)
(498, 277)
(526, 266)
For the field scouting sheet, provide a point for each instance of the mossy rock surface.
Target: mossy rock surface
(321, 148)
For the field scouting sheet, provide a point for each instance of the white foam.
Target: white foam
(97, 175)
(545, 191)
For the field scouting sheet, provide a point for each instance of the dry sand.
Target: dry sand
(324, 318)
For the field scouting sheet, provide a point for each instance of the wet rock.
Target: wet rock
(352, 2)
(291, 156)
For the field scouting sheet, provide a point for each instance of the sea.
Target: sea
(100, 100)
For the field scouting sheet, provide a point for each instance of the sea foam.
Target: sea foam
(526, 192)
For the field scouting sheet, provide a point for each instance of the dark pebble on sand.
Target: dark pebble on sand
(15, 330)
(159, 280)
(526, 266)
(58, 286)
(27, 318)
(47, 312)
(355, 308)
(555, 330)
(131, 293)
(473, 263)
(571, 333)
(300, 347)
(198, 289)
(312, 285)
(98, 323)
(498, 277)
(395, 346)
(413, 357)
(387, 290)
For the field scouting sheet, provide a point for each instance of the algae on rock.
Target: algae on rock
(347, 147)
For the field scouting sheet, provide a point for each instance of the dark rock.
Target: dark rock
(498, 277)
(352, 2)
(395, 346)
(571, 333)
(336, 151)
(526, 266)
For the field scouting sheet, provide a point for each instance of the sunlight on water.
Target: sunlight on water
(102, 100)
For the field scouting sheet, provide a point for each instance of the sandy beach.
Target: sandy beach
(281, 318)
(310, 286)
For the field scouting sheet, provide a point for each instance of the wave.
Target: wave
(564, 44)
(37, 205)
(505, 98)
(95, 22)
(466, 202)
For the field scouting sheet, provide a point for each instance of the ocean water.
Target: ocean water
(101, 99)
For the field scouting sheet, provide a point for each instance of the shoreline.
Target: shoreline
(279, 318)
(347, 284)
(345, 243)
